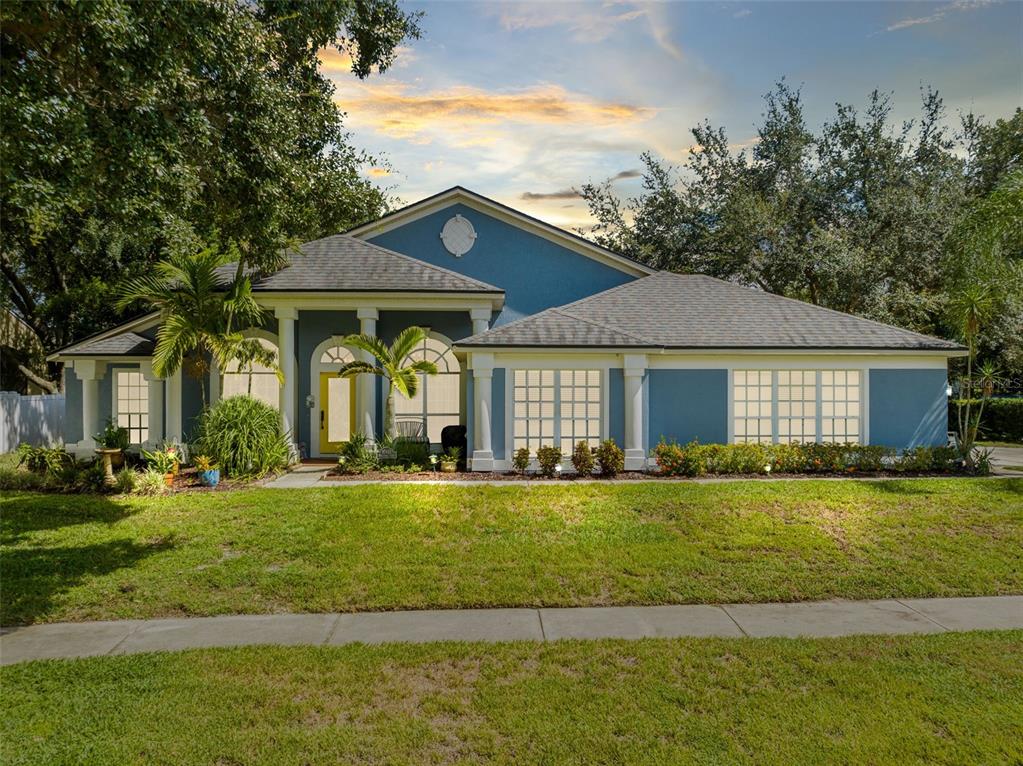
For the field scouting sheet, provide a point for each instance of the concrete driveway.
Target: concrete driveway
(1001, 457)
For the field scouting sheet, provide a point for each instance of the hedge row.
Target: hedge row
(695, 459)
(1002, 419)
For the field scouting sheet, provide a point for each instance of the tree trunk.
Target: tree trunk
(42, 382)
(389, 411)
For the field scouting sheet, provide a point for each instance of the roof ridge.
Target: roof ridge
(613, 327)
(836, 312)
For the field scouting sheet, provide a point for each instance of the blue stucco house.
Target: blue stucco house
(541, 337)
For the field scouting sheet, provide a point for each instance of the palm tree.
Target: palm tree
(970, 309)
(197, 314)
(391, 363)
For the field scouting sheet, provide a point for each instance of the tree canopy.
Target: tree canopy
(133, 130)
(861, 215)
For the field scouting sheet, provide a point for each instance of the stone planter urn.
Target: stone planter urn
(112, 458)
(448, 466)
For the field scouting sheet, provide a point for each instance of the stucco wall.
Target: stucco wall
(688, 404)
(908, 408)
(534, 272)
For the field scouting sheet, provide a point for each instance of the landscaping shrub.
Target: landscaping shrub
(150, 482)
(125, 481)
(44, 460)
(676, 460)
(611, 458)
(549, 459)
(1002, 419)
(408, 452)
(357, 456)
(520, 460)
(582, 459)
(14, 480)
(741, 458)
(243, 436)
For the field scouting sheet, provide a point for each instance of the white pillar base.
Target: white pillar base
(635, 460)
(482, 460)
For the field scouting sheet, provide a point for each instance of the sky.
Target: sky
(525, 101)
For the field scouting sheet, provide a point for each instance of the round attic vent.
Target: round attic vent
(458, 236)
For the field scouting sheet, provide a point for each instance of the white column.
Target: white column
(172, 428)
(155, 405)
(480, 320)
(286, 356)
(482, 375)
(214, 382)
(89, 371)
(365, 385)
(635, 454)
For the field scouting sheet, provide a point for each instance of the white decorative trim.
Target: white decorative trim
(458, 235)
(403, 301)
(316, 368)
(510, 216)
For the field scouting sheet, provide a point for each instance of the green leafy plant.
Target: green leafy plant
(44, 460)
(549, 458)
(611, 458)
(393, 364)
(13, 480)
(451, 456)
(243, 436)
(112, 436)
(520, 460)
(676, 460)
(355, 456)
(151, 482)
(582, 458)
(203, 463)
(125, 481)
(164, 461)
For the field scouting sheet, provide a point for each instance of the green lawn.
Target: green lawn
(940, 699)
(385, 547)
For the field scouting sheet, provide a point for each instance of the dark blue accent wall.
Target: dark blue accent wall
(687, 405)
(72, 406)
(908, 408)
(534, 272)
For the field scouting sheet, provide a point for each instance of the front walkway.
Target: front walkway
(825, 618)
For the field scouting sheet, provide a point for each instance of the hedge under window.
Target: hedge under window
(790, 406)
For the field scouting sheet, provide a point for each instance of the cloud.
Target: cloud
(939, 14)
(621, 176)
(379, 172)
(588, 23)
(742, 14)
(334, 62)
(562, 194)
(397, 110)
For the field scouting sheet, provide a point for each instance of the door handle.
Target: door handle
(321, 420)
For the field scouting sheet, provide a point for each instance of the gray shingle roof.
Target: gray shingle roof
(125, 344)
(688, 311)
(341, 263)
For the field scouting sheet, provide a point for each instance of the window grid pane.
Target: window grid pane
(797, 406)
(580, 409)
(754, 405)
(534, 409)
(840, 406)
(132, 405)
(438, 399)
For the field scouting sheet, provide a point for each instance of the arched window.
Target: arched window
(437, 399)
(259, 382)
(336, 355)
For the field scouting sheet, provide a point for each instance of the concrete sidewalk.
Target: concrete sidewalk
(827, 618)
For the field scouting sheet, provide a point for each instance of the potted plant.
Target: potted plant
(209, 474)
(111, 443)
(164, 461)
(449, 460)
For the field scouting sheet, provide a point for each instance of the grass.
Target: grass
(938, 699)
(68, 557)
(987, 443)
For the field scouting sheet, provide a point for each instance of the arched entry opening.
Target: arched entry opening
(332, 418)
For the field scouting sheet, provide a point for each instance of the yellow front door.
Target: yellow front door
(337, 411)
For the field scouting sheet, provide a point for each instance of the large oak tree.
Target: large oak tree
(135, 129)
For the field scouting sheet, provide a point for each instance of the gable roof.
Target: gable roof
(123, 344)
(459, 194)
(690, 311)
(342, 263)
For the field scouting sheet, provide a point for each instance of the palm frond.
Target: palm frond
(406, 343)
(424, 366)
(351, 369)
(406, 381)
(370, 344)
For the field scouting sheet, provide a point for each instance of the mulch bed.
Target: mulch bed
(511, 476)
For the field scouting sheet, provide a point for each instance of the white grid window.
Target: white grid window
(256, 380)
(556, 408)
(579, 408)
(534, 408)
(131, 405)
(753, 405)
(840, 406)
(789, 406)
(797, 406)
(437, 400)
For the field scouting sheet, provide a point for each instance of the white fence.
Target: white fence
(37, 420)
